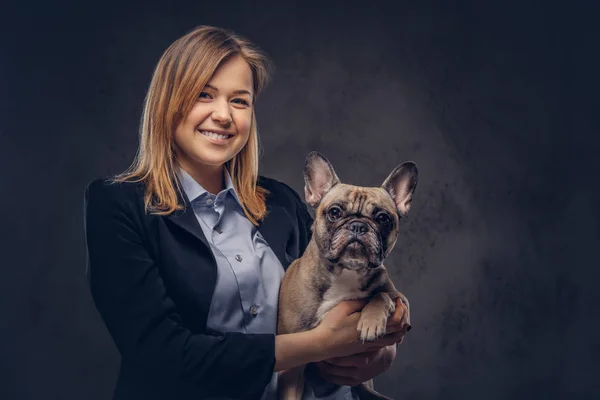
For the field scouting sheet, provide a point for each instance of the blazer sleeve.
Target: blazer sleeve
(143, 321)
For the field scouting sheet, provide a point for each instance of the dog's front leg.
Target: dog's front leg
(290, 383)
(373, 319)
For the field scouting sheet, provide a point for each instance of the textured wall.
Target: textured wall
(499, 255)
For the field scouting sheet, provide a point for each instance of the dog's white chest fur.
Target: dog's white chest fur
(345, 286)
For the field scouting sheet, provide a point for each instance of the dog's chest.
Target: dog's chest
(345, 286)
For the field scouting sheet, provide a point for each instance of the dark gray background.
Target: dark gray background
(493, 100)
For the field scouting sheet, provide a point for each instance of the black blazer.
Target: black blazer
(152, 279)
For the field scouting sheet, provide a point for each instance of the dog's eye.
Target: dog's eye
(334, 213)
(383, 219)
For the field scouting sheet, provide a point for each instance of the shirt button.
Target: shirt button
(253, 311)
(209, 201)
(238, 258)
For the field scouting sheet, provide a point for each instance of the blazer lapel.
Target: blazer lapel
(186, 219)
(273, 228)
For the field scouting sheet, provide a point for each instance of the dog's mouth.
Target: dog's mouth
(356, 255)
(356, 244)
(357, 250)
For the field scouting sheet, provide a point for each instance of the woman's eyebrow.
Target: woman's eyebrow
(240, 91)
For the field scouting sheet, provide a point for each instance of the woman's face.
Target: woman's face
(218, 126)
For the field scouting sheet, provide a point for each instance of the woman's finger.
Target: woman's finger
(398, 314)
(387, 340)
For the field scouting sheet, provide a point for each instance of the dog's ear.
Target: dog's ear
(319, 178)
(401, 185)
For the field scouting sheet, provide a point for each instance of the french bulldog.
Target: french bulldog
(355, 228)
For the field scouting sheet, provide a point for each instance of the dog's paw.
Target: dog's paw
(374, 318)
(371, 325)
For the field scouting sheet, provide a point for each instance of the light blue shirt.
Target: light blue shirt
(248, 272)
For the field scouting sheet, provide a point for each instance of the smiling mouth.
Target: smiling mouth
(216, 136)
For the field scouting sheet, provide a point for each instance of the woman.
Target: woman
(187, 247)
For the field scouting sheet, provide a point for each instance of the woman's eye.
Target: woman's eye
(204, 95)
(241, 101)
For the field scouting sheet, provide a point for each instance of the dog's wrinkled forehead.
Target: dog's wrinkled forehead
(359, 200)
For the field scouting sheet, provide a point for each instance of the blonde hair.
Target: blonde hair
(180, 75)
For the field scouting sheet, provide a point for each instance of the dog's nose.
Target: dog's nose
(358, 227)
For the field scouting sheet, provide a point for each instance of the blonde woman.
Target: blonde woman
(186, 249)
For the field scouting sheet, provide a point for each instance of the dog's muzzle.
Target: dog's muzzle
(359, 228)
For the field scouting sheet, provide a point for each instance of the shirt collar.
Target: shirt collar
(194, 190)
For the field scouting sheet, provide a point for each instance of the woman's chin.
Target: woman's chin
(214, 160)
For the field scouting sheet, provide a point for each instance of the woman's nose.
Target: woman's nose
(221, 112)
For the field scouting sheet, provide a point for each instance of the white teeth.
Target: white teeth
(215, 135)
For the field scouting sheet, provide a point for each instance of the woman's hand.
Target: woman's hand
(357, 368)
(338, 331)
(336, 336)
